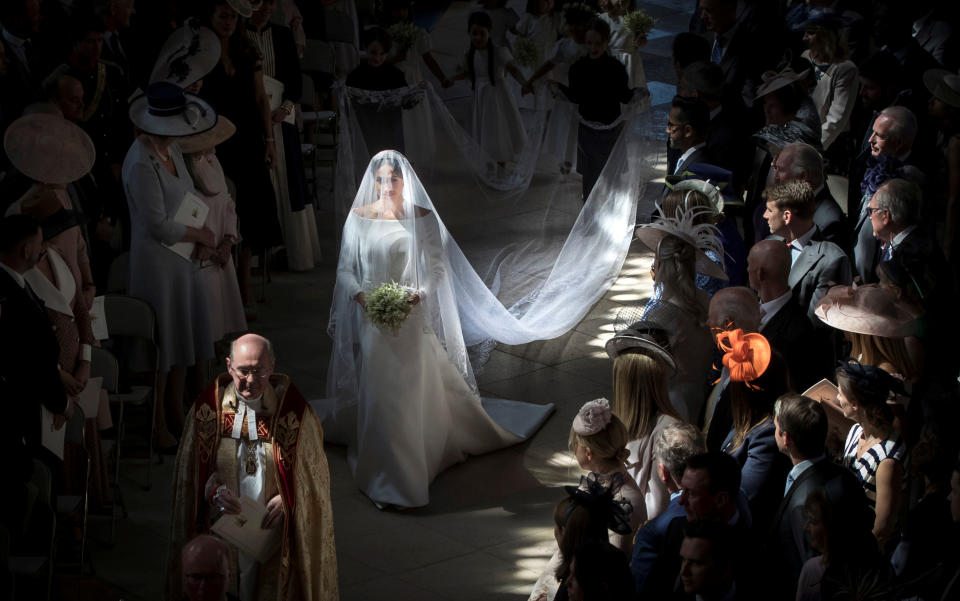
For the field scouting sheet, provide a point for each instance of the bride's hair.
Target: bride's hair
(389, 161)
(609, 444)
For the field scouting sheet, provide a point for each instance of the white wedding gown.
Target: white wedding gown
(414, 412)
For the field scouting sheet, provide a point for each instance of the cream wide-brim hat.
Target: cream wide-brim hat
(651, 234)
(943, 85)
(220, 133)
(244, 8)
(867, 309)
(188, 55)
(49, 149)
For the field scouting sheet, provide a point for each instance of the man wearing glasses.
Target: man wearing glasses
(251, 440)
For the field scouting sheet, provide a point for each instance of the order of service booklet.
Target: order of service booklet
(192, 213)
(243, 531)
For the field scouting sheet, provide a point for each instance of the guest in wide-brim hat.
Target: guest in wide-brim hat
(221, 132)
(701, 237)
(188, 55)
(49, 149)
(167, 110)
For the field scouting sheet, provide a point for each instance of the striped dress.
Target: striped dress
(866, 467)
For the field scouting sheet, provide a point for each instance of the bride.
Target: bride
(411, 390)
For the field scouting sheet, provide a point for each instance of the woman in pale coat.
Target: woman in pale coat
(838, 79)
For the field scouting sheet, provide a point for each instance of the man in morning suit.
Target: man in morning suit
(673, 446)
(816, 264)
(801, 431)
(710, 491)
(782, 320)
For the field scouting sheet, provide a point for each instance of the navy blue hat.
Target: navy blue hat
(718, 176)
(823, 21)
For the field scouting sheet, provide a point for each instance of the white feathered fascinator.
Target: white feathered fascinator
(704, 237)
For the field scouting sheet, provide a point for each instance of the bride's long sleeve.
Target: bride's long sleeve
(431, 247)
(348, 268)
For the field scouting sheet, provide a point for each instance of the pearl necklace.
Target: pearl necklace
(163, 157)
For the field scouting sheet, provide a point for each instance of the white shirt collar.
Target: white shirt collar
(803, 241)
(18, 278)
(799, 468)
(899, 238)
(770, 308)
(688, 152)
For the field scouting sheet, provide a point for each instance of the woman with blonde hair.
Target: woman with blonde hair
(837, 77)
(598, 441)
(641, 399)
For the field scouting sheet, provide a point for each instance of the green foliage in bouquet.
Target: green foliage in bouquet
(638, 22)
(388, 306)
(403, 34)
(526, 53)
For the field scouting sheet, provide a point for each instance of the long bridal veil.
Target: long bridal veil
(525, 257)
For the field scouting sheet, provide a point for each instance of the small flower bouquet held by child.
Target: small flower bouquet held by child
(526, 53)
(403, 34)
(638, 22)
(388, 306)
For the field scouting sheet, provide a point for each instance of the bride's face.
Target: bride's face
(389, 184)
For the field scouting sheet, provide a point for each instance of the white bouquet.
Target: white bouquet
(388, 306)
(638, 22)
(526, 53)
(403, 34)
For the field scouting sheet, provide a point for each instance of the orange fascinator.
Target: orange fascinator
(747, 356)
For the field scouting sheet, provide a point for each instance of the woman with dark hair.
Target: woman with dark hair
(235, 89)
(599, 572)
(874, 450)
(758, 377)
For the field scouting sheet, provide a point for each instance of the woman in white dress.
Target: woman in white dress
(624, 44)
(412, 389)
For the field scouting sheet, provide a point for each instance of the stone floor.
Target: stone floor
(487, 532)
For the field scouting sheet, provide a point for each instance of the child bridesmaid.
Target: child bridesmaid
(623, 43)
(497, 127)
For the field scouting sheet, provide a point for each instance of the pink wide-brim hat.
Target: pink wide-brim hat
(49, 149)
(867, 309)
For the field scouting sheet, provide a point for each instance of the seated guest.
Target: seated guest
(783, 321)
(248, 425)
(731, 308)
(848, 559)
(801, 432)
(873, 450)
(815, 263)
(205, 565)
(641, 361)
(711, 489)
(758, 376)
(599, 572)
(836, 91)
(673, 446)
(706, 571)
(598, 441)
(803, 162)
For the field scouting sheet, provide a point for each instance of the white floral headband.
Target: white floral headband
(593, 417)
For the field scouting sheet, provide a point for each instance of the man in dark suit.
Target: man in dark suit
(782, 320)
(816, 264)
(710, 491)
(21, 22)
(672, 448)
(687, 126)
(708, 563)
(802, 161)
(728, 140)
(30, 352)
(801, 431)
(117, 16)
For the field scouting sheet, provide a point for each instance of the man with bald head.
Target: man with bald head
(205, 565)
(251, 440)
(783, 321)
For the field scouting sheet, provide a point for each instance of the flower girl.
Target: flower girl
(624, 42)
(496, 127)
